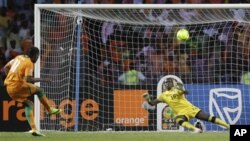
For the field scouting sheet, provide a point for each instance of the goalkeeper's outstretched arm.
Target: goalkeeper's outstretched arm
(181, 87)
(151, 102)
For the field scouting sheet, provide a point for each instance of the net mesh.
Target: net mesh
(125, 52)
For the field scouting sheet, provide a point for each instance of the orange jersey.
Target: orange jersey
(20, 67)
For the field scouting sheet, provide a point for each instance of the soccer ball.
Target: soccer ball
(182, 35)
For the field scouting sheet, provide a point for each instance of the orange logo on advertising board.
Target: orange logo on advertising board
(89, 110)
(127, 108)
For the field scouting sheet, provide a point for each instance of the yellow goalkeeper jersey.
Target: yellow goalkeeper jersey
(176, 99)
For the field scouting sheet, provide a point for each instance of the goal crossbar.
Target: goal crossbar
(143, 6)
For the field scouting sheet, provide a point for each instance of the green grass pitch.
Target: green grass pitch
(116, 136)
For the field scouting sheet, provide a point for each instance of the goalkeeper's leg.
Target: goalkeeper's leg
(183, 121)
(44, 100)
(206, 117)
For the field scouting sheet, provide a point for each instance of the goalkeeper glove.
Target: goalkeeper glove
(179, 85)
(147, 106)
(146, 97)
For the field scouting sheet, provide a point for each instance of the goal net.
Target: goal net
(103, 58)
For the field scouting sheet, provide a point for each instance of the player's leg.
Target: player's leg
(206, 117)
(29, 114)
(43, 99)
(182, 120)
(21, 94)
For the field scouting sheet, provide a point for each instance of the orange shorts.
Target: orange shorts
(21, 92)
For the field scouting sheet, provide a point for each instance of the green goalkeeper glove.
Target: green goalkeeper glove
(146, 96)
(181, 87)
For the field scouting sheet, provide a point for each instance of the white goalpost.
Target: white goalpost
(103, 58)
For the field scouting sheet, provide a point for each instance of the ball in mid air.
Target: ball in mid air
(182, 35)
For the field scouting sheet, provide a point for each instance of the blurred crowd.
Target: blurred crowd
(155, 53)
(16, 28)
(216, 53)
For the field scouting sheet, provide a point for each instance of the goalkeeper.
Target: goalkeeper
(174, 96)
(19, 85)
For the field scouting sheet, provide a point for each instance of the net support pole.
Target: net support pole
(78, 62)
(37, 43)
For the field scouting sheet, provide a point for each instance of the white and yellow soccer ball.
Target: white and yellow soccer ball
(182, 35)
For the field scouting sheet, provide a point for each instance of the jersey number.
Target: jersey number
(173, 96)
(16, 63)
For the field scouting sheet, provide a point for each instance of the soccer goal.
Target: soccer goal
(103, 58)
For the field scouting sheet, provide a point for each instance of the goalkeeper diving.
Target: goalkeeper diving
(174, 97)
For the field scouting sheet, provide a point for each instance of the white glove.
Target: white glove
(147, 106)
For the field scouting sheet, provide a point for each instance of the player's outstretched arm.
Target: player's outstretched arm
(146, 97)
(31, 79)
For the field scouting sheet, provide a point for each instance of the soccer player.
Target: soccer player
(19, 85)
(174, 96)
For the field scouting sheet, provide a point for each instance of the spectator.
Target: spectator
(115, 50)
(106, 72)
(188, 15)
(245, 78)
(24, 30)
(131, 76)
(200, 69)
(13, 35)
(4, 20)
(156, 61)
(184, 67)
(12, 51)
(107, 30)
